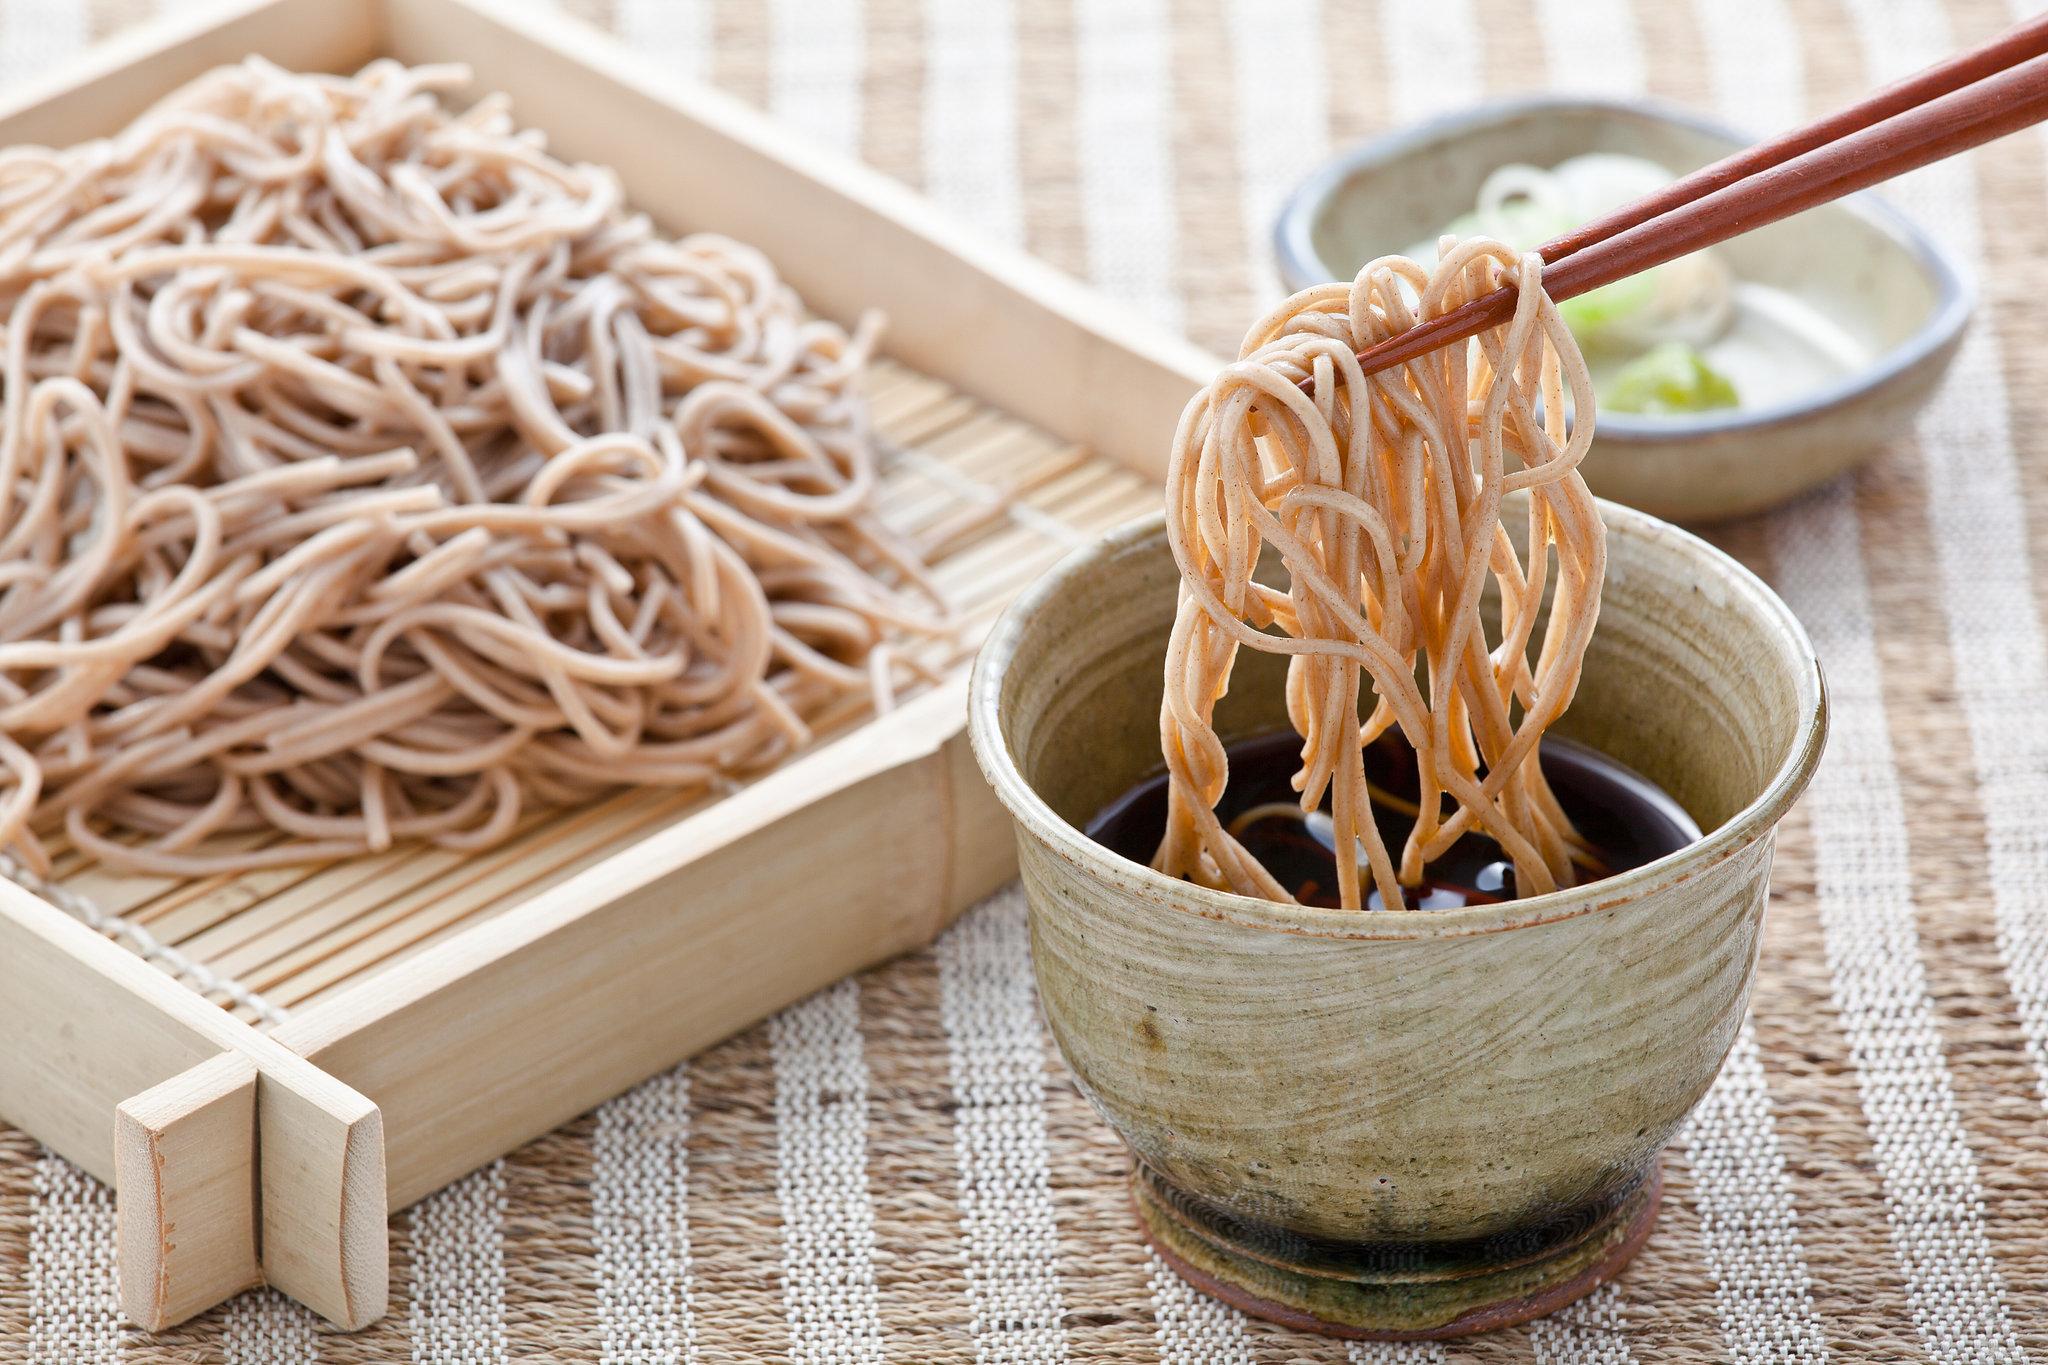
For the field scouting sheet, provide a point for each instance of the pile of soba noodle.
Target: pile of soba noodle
(1383, 495)
(370, 474)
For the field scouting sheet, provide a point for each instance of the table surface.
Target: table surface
(900, 1169)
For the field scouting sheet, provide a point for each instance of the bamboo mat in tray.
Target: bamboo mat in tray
(900, 1170)
(991, 500)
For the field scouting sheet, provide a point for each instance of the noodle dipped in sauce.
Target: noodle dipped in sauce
(1383, 496)
(1625, 820)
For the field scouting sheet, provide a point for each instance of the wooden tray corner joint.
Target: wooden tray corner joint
(235, 1161)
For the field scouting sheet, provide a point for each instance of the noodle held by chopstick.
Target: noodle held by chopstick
(1383, 496)
(367, 473)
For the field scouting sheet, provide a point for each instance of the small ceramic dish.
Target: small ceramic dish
(1420, 1123)
(1889, 290)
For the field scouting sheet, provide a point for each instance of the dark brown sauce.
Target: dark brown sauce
(1626, 818)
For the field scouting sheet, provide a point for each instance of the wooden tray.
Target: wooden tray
(265, 1065)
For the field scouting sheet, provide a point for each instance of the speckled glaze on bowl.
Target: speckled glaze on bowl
(1416, 1124)
(1856, 261)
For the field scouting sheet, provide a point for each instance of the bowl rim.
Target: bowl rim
(1755, 821)
(1955, 290)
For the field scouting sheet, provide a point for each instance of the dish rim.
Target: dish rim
(1954, 288)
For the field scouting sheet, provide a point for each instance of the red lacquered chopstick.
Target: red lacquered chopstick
(1972, 98)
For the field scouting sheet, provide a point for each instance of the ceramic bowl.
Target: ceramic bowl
(1400, 1124)
(1858, 263)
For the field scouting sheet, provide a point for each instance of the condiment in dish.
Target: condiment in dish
(1840, 322)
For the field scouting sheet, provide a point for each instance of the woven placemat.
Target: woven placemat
(899, 1169)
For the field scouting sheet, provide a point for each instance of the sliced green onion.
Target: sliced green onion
(1668, 378)
(1597, 310)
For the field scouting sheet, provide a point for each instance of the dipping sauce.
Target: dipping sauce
(1626, 818)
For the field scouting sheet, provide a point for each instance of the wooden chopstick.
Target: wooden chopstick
(2017, 44)
(1990, 109)
(1972, 98)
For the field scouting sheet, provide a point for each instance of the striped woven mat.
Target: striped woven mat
(899, 1169)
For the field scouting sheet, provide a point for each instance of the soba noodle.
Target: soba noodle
(370, 474)
(1383, 496)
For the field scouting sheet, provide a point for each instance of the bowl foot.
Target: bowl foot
(1399, 1298)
